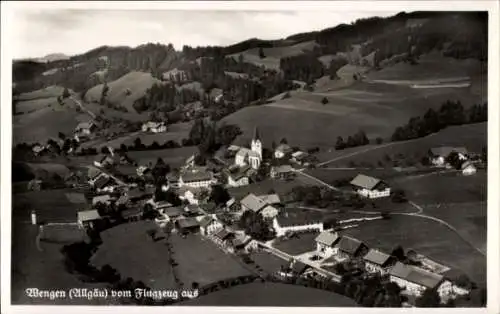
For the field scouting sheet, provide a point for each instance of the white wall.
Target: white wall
(280, 231)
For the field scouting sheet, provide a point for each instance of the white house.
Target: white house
(416, 280)
(154, 127)
(438, 155)
(282, 151)
(468, 168)
(87, 218)
(252, 156)
(284, 224)
(196, 179)
(193, 195)
(281, 172)
(378, 262)
(38, 149)
(325, 243)
(85, 128)
(300, 157)
(238, 176)
(209, 225)
(370, 187)
(269, 212)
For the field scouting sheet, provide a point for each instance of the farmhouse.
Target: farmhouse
(196, 179)
(224, 237)
(283, 224)
(241, 242)
(252, 156)
(106, 161)
(282, 151)
(209, 225)
(281, 172)
(104, 184)
(468, 168)
(239, 176)
(161, 206)
(351, 248)
(193, 210)
(173, 212)
(192, 195)
(85, 128)
(87, 218)
(253, 203)
(370, 187)
(326, 243)
(300, 157)
(188, 225)
(438, 155)
(378, 262)
(154, 127)
(136, 195)
(415, 280)
(298, 268)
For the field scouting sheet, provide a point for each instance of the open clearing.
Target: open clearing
(426, 237)
(300, 244)
(202, 261)
(272, 294)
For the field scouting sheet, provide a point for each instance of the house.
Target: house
(224, 236)
(173, 180)
(87, 218)
(238, 176)
(282, 151)
(193, 210)
(85, 128)
(193, 195)
(241, 242)
(103, 199)
(209, 225)
(438, 155)
(161, 206)
(370, 187)
(106, 161)
(349, 247)
(104, 184)
(281, 172)
(252, 156)
(300, 157)
(378, 262)
(154, 127)
(326, 243)
(468, 168)
(38, 149)
(416, 280)
(283, 224)
(298, 268)
(94, 174)
(188, 224)
(196, 179)
(253, 203)
(173, 212)
(137, 195)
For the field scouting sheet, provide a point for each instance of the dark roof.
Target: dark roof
(240, 173)
(349, 245)
(205, 221)
(173, 211)
(327, 238)
(416, 275)
(138, 193)
(377, 257)
(188, 223)
(365, 182)
(127, 170)
(192, 208)
(444, 151)
(196, 176)
(299, 267)
(223, 234)
(285, 220)
(102, 181)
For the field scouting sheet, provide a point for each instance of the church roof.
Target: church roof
(256, 135)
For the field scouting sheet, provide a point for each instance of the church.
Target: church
(252, 156)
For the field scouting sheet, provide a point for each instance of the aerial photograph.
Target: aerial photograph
(249, 158)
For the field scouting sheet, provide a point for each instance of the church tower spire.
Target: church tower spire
(256, 143)
(256, 135)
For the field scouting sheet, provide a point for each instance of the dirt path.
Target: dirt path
(318, 180)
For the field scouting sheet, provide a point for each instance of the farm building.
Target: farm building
(154, 127)
(283, 224)
(173, 212)
(196, 179)
(351, 248)
(282, 151)
(416, 280)
(95, 175)
(224, 237)
(239, 176)
(300, 157)
(161, 205)
(298, 268)
(370, 187)
(378, 262)
(87, 218)
(188, 225)
(252, 202)
(252, 156)
(106, 161)
(136, 195)
(209, 225)
(468, 168)
(326, 243)
(104, 184)
(438, 155)
(193, 210)
(241, 242)
(85, 128)
(281, 172)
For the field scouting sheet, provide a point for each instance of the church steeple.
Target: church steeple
(256, 135)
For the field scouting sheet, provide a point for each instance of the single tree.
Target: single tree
(324, 101)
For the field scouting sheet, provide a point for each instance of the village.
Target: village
(197, 200)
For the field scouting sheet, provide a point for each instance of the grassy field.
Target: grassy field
(471, 136)
(265, 187)
(136, 82)
(201, 261)
(426, 237)
(271, 294)
(40, 169)
(48, 92)
(112, 113)
(269, 262)
(175, 157)
(139, 257)
(300, 244)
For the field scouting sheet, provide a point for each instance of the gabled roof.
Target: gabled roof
(102, 181)
(444, 151)
(192, 208)
(299, 267)
(223, 234)
(327, 238)
(196, 176)
(84, 125)
(253, 203)
(137, 193)
(349, 245)
(173, 211)
(88, 215)
(270, 199)
(187, 223)
(93, 172)
(101, 199)
(285, 148)
(283, 169)
(467, 164)
(240, 173)
(299, 154)
(205, 221)
(365, 182)
(377, 257)
(416, 275)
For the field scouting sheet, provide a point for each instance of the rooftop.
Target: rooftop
(349, 245)
(377, 257)
(283, 169)
(196, 176)
(102, 181)
(187, 223)
(327, 238)
(84, 125)
(291, 219)
(173, 211)
(365, 182)
(101, 199)
(271, 199)
(88, 215)
(223, 234)
(205, 221)
(253, 202)
(285, 148)
(416, 275)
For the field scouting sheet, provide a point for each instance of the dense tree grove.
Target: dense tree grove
(358, 139)
(209, 137)
(254, 225)
(450, 113)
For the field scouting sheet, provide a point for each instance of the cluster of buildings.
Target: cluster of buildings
(439, 158)
(154, 127)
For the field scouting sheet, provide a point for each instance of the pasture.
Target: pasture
(426, 237)
(271, 294)
(267, 186)
(139, 257)
(199, 260)
(47, 92)
(299, 244)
